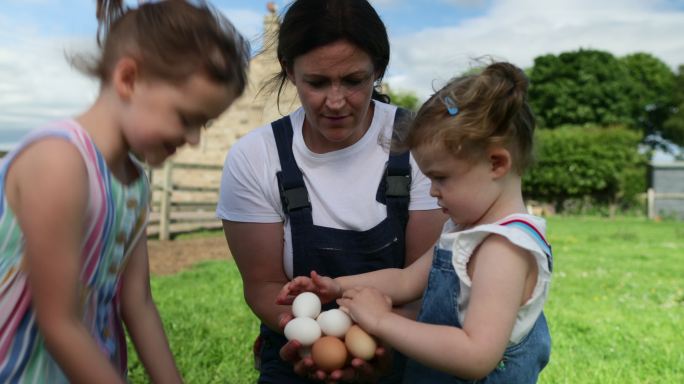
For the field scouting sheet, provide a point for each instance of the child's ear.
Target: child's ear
(500, 161)
(124, 77)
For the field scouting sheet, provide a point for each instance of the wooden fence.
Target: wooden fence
(652, 196)
(178, 203)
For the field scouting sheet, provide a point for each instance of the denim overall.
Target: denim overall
(335, 252)
(521, 363)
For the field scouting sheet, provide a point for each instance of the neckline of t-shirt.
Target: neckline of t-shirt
(373, 132)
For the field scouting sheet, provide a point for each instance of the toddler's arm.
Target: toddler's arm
(400, 285)
(499, 272)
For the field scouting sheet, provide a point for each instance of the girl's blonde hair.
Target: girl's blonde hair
(473, 112)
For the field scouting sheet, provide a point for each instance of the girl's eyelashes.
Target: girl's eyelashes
(195, 121)
(183, 120)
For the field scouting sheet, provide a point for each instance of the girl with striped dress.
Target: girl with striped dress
(74, 198)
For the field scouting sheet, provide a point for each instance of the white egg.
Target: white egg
(306, 304)
(303, 329)
(334, 322)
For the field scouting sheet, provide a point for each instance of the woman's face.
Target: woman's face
(335, 84)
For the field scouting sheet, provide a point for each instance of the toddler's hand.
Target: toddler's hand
(365, 306)
(324, 287)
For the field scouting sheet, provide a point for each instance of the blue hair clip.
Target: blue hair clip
(450, 106)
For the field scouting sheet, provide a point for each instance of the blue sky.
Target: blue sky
(432, 40)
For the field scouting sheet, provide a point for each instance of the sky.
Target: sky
(431, 41)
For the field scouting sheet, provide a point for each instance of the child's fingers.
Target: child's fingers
(350, 293)
(284, 318)
(285, 296)
(344, 305)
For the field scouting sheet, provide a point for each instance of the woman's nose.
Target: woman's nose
(335, 98)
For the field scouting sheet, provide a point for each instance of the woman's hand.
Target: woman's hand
(326, 288)
(358, 371)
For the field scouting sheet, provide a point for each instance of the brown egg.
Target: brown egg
(329, 353)
(359, 343)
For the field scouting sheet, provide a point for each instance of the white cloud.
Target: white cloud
(36, 82)
(520, 30)
(249, 23)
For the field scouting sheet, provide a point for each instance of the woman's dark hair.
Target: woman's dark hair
(310, 24)
(170, 40)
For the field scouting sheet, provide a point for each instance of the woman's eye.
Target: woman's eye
(316, 83)
(353, 82)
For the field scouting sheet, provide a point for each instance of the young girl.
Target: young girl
(485, 285)
(73, 254)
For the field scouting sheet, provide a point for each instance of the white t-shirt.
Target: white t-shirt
(463, 243)
(342, 185)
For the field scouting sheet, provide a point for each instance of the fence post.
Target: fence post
(165, 202)
(651, 203)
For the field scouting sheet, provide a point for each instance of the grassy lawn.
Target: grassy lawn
(616, 309)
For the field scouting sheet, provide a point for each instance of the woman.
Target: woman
(318, 189)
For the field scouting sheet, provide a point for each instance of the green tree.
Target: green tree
(652, 94)
(406, 99)
(673, 128)
(580, 87)
(598, 163)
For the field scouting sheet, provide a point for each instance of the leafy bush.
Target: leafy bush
(600, 165)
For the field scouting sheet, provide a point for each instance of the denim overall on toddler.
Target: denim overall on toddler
(334, 252)
(521, 363)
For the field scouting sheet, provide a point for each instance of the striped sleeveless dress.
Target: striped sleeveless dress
(116, 217)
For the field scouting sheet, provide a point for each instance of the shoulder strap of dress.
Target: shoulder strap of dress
(535, 234)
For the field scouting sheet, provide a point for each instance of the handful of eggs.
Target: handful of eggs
(330, 336)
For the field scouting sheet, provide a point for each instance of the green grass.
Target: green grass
(209, 326)
(615, 311)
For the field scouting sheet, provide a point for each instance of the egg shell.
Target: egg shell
(329, 353)
(303, 329)
(359, 343)
(334, 322)
(306, 304)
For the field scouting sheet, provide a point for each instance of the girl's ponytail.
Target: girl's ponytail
(107, 12)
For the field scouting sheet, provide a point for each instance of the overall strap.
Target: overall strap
(293, 193)
(535, 234)
(397, 178)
